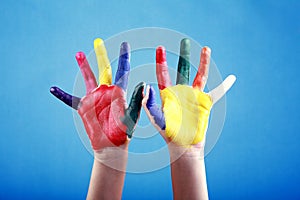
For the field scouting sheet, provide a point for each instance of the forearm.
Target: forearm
(108, 174)
(189, 177)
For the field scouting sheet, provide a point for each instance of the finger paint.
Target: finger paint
(68, 99)
(186, 112)
(88, 76)
(183, 70)
(202, 73)
(122, 73)
(105, 74)
(162, 73)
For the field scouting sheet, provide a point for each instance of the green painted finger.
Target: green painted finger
(132, 113)
(183, 73)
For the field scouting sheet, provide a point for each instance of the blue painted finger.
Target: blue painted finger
(121, 79)
(154, 110)
(68, 99)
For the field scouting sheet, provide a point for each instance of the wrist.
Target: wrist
(188, 172)
(113, 157)
(193, 152)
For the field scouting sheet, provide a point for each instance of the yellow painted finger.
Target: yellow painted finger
(186, 113)
(105, 74)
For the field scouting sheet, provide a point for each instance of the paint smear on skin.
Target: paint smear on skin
(186, 113)
(101, 112)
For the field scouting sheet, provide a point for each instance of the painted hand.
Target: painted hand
(103, 111)
(184, 116)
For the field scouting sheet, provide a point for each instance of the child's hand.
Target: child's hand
(103, 110)
(184, 116)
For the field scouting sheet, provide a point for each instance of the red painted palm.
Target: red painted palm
(106, 118)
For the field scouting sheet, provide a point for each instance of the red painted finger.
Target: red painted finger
(88, 76)
(202, 74)
(162, 73)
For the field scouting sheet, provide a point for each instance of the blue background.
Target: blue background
(257, 155)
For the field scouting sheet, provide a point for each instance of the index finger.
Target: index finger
(122, 74)
(103, 62)
(162, 73)
(202, 73)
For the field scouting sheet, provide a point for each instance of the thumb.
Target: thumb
(153, 112)
(217, 93)
(132, 113)
(68, 99)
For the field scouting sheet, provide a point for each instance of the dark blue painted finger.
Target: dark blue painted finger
(132, 113)
(183, 73)
(154, 110)
(122, 74)
(68, 99)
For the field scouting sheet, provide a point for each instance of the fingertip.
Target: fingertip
(54, 90)
(185, 41)
(151, 91)
(139, 89)
(125, 46)
(230, 80)
(99, 46)
(160, 48)
(80, 57)
(206, 50)
(140, 86)
(185, 46)
(160, 54)
(232, 77)
(57, 92)
(125, 50)
(98, 42)
(205, 58)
